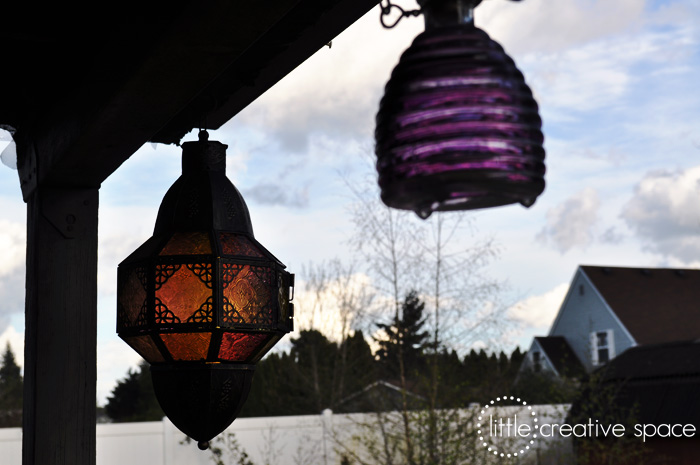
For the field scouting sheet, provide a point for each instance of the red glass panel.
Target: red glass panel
(184, 292)
(247, 293)
(235, 244)
(187, 243)
(187, 346)
(132, 295)
(146, 348)
(238, 347)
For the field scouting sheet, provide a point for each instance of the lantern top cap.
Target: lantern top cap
(442, 13)
(203, 155)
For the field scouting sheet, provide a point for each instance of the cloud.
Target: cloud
(114, 358)
(571, 223)
(274, 194)
(611, 236)
(665, 213)
(16, 340)
(540, 310)
(530, 26)
(12, 270)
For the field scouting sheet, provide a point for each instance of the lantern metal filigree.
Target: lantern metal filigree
(458, 127)
(202, 301)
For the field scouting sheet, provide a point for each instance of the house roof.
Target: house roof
(377, 396)
(656, 305)
(561, 355)
(661, 382)
(656, 361)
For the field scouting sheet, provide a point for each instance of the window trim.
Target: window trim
(610, 346)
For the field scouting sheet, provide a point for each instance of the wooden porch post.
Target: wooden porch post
(60, 352)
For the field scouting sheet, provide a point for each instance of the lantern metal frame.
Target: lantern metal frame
(201, 300)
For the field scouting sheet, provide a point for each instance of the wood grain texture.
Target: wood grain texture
(61, 328)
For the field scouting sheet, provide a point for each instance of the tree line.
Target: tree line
(317, 373)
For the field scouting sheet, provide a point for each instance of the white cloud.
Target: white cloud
(268, 193)
(571, 223)
(114, 359)
(544, 25)
(343, 300)
(16, 341)
(12, 270)
(665, 213)
(539, 311)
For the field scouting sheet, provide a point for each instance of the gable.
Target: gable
(655, 305)
(561, 356)
(585, 312)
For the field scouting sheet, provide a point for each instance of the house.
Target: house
(609, 310)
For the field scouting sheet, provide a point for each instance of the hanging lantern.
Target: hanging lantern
(202, 301)
(457, 128)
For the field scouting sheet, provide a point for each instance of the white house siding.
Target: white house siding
(586, 312)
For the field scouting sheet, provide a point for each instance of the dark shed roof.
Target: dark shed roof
(561, 355)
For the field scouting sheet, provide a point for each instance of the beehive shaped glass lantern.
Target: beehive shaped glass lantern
(202, 301)
(457, 127)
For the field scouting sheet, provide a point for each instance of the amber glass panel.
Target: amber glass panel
(181, 292)
(238, 347)
(187, 346)
(247, 291)
(132, 295)
(146, 348)
(235, 244)
(187, 243)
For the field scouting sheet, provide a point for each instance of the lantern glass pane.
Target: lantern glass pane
(239, 347)
(146, 348)
(182, 290)
(187, 346)
(247, 294)
(131, 298)
(236, 244)
(187, 243)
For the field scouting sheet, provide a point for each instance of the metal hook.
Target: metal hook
(386, 11)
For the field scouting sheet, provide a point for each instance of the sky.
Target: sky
(616, 82)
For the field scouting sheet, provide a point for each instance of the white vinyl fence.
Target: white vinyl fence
(292, 440)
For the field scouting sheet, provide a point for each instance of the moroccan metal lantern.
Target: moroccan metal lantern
(202, 301)
(458, 127)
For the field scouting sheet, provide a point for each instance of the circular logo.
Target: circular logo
(507, 427)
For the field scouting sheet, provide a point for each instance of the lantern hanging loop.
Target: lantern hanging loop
(386, 11)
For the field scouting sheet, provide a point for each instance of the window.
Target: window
(537, 361)
(603, 352)
(602, 346)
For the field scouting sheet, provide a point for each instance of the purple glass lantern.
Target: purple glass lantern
(457, 128)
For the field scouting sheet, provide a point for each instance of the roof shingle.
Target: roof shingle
(656, 305)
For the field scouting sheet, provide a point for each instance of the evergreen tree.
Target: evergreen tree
(359, 369)
(133, 398)
(315, 358)
(11, 386)
(405, 338)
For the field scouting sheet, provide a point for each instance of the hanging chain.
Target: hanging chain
(386, 10)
